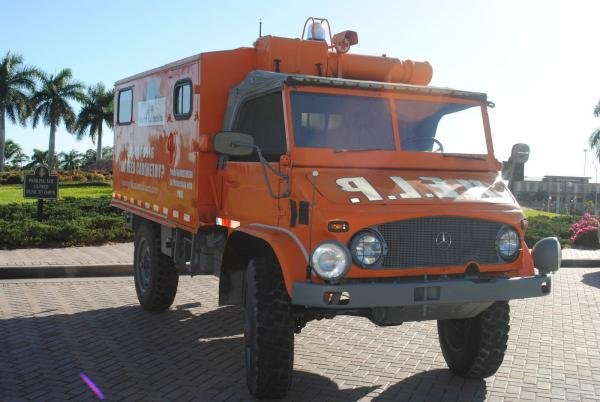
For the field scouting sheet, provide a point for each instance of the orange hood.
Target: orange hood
(391, 186)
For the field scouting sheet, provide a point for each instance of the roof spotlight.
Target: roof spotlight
(343, 40)
(316, 32)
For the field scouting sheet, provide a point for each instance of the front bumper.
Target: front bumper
(412, 293)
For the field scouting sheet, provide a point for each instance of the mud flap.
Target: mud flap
(207, 253)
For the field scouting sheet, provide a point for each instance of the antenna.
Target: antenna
(315, 174)
(260, 27)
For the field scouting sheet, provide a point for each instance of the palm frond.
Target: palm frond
(97, 108)
(594, 142)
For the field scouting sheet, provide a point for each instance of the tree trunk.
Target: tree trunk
(2, 138)
(99, 145)
(51, 145)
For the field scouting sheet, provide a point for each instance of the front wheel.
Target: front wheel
(475, 347)
(268, 330)
(154, 273)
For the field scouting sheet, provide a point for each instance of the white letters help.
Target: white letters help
(458, 189)
(361, 185)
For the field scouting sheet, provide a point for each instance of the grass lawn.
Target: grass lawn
(536, 212)
(14, 192)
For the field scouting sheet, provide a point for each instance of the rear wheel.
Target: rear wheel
(154, 272)
(475, 347)
(268, 330)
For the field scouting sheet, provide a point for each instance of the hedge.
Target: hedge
(68, 222)
(543, 226)
(92, 221)
(16, 177)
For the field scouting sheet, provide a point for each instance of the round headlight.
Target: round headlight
(330, 260)
(507, 243)
(367, 248)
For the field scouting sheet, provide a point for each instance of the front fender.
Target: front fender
(288, 248)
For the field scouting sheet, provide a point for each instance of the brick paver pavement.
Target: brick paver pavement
(52, 330)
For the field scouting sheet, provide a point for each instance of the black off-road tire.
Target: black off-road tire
(268, 330)
(475, 347)
(154, 273)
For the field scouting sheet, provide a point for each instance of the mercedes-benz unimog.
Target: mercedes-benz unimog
(315, 182)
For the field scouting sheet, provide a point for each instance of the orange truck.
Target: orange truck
(315, 182)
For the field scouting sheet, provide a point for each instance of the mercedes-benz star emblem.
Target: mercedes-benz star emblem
(443, 241)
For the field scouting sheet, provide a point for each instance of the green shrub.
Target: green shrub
(93, 176)
(78, 176)
(68, 222)
(86, 184)
(11, 178)
(544, 226)
(16, 177)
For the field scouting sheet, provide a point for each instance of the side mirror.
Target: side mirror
(518, 156)
(232, 143)
(519, 153)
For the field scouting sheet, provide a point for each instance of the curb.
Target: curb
(65, 271)
(69, 271)
(580, 263)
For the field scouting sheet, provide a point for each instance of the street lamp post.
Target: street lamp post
(596, 188)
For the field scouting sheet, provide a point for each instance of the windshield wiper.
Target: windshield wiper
(466, 156)
(361, 150)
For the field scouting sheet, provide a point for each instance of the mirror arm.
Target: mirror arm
(509, 173)
(264, 165)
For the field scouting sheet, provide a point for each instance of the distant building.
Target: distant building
(560, 194)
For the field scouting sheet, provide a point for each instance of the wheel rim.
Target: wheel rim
(142, 266)
(455, 334)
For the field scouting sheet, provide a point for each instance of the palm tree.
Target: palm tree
(70, 160)
(107, 152)
(97, 109)
(14, 154)
(17, 82)
(18, 159)
(51, 105)
(88, 158)
(38, 157)
(11, 148)
(595, 137)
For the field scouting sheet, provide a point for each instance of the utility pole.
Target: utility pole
(596, 188)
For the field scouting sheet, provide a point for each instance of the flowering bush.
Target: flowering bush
(585, 231)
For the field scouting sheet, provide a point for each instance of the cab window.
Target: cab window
(182, 99)
(341, 122)
(125, 107)
(262, 118)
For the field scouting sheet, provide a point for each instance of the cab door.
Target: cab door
(246, 197)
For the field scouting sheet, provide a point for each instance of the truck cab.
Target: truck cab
(344, 184)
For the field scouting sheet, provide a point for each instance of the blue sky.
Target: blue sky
(538, 61)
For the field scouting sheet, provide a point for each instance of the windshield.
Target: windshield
(354, 123)
(341, 122)
(427, 126)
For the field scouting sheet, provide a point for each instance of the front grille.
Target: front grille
(412, 243)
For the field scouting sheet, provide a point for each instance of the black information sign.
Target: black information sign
(41, 184)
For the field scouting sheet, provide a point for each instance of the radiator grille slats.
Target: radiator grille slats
(412, 243)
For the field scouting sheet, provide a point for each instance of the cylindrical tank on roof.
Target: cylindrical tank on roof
(384, 69)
